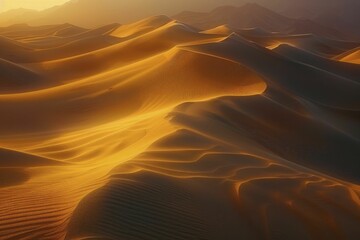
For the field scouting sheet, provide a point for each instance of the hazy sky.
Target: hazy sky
(30, 4)
(179, 5)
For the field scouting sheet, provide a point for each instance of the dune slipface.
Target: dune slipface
(159, 130)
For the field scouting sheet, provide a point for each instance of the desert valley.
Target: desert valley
(233, 123)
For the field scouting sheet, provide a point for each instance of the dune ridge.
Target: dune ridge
(159, 130)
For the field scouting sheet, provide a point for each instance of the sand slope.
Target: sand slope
(17, 78)
(157, 130)
(352, 56)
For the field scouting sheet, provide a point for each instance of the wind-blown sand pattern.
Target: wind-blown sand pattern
(159, 130)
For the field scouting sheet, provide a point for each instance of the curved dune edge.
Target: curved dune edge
(182, 177)
(142, 159)
(166, 132)
(352, 57)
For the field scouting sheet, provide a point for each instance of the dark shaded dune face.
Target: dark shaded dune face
(303, 80)
(322, 46)
(13, 50)
(14, 159)
(17, 78)
(12, 177)
(159, 130)
(135, 209)
(350, 71)
(224, 179)
(13, 166)
(273, 125)
(314, 42)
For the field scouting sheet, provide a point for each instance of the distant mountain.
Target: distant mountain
(92, 13)
(252, 15)
(310, 9)
(338, 14)
(344, 16)
(21, 15)
(341, 15)
(247, 16)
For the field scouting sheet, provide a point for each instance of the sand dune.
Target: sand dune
(25, 46)
(141, 27)
(316, 44)
(220, 30)
(12, 159)
(9, 44)
(69, 30)
(252, 15)
(207, 158)
(13, 50)
(21, 31)
(249, 15)
(157, 130)
(350, 71)
(226, 30)
(118, 86)
(319, 86)
(125, 52)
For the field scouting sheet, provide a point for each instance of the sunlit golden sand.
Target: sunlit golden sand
(351, 57)
(156, 130)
